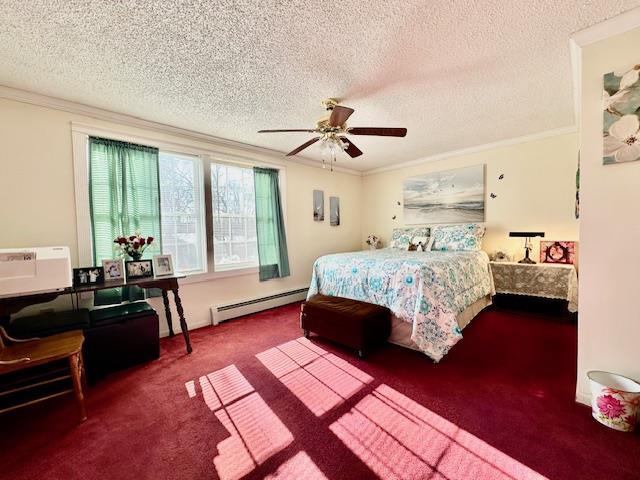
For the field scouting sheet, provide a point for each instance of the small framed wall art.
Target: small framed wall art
(318, 205)
(557, 252)
(334, 211)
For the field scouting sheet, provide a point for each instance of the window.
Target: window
(181, 212)
(200, 209)
(234, 219)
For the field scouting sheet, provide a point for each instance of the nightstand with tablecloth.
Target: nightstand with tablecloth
(547, 280)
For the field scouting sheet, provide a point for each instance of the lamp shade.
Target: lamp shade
(526, 234)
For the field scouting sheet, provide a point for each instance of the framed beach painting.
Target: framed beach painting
(621, 125)
(449, 196)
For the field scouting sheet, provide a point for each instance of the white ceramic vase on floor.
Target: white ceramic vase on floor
(614, 400)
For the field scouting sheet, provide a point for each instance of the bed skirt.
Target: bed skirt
(401, 330)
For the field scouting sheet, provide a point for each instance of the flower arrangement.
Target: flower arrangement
(373, 242)
(133, 245)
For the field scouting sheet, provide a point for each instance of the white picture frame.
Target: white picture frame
(163, 265)
(113, 269)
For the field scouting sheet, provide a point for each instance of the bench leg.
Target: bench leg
(306, 333)
(75, 365)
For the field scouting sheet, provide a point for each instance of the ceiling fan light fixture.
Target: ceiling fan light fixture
(331, 131)
(329, 148)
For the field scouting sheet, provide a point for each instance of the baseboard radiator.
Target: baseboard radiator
(227, 311)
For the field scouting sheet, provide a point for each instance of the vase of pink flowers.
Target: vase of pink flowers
(133, 245)
(373, 242)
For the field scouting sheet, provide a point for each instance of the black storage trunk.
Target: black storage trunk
(120, 337)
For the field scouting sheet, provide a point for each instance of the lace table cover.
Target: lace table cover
(547, 280)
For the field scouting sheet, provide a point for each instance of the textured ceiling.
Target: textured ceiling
(456, 74)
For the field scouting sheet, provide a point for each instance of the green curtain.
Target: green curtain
(124, 193)
(272, 241)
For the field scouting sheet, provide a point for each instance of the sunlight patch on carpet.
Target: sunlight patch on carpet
(298, 467)
(255, 431)
(398, 438)
(316, 377)
(191, 388)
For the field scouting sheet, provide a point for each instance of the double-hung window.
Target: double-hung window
(234, 217)
(182, 211)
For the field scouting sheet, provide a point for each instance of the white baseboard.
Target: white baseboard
(238, 308)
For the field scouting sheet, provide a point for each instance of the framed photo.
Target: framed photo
(139, 269)
(163, 265)
(557, 252)
(88, 276)
(113, 269)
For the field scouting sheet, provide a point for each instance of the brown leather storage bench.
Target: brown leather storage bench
(349, 322)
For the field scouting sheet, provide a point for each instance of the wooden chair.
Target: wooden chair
(21, 354)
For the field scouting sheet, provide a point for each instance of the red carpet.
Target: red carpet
(256, 401)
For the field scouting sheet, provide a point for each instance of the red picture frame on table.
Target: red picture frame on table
(557, 252)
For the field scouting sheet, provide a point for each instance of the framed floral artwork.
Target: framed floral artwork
(557, 252)
(621, 125)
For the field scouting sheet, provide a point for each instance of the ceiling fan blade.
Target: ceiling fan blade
(303, 146)
(351, 150)
(288, 130)
(339, 115)
(381, 132)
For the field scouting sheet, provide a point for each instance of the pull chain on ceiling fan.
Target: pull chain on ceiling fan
(332, 132)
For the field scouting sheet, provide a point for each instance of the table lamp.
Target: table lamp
(527, 243)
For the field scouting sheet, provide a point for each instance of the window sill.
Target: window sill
(205, 277)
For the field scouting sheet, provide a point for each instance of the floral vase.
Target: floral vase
(136, 256)
(614, 400)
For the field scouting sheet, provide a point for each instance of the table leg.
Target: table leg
(75, 365)
(167, 311)
(183, 322)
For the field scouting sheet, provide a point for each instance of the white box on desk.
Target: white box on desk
(35, 269)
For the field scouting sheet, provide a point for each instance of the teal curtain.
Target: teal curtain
(124, 192)
(272, 241)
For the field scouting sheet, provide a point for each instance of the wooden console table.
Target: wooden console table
(9, 305)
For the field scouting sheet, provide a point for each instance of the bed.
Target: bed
(432, 295)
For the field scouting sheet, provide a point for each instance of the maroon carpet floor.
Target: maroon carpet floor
(254, 401)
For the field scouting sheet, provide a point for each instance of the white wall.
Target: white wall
(37, 203)
(609, 319)
(537, 192)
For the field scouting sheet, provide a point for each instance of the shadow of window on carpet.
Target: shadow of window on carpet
(398, 438)
(316, 377)
(255, 431)
(298, 467)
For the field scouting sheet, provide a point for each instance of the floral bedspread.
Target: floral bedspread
(426, 289)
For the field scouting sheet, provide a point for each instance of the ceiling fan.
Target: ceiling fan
(332, 129)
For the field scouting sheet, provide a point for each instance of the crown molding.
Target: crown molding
(24, 96)
(608, 28)
(600, 31)
(475, 149)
